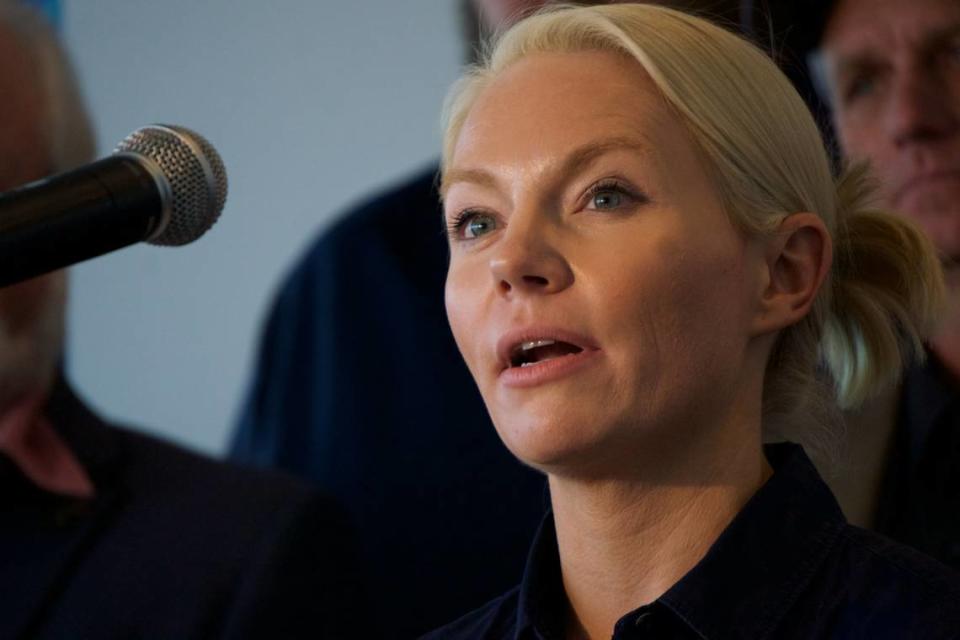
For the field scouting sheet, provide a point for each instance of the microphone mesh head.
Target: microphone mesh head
(195, 173)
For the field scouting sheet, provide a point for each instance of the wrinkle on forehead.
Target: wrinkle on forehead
(874, 29)
(506, 104)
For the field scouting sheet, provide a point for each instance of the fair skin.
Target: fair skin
(893, 69)
(31, 313)
(582, 213)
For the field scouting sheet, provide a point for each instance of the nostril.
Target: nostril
(536, 280)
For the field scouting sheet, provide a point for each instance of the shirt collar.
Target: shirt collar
(542, 601)
(748, 578)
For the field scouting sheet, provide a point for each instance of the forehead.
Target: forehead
(548, 103)
(881, 28)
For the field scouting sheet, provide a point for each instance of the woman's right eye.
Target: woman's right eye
(470, 225)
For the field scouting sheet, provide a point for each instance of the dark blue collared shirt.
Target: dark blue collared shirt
(788, 566)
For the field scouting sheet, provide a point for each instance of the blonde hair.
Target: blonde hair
(769, 161)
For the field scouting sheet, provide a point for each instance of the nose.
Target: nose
(528, 261)
(920, 107)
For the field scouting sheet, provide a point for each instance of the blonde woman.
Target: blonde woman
(650, 259)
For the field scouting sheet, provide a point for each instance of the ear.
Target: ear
(797, 260)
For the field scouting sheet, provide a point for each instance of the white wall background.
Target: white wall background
(312, 104)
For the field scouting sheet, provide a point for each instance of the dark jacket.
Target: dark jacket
(919, 502)
(788, 566)
(174, 545)
(360, 388)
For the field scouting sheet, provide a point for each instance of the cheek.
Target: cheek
(462, 302)
(854, 137)
(859, 133)
(21, 305)
(688, 313)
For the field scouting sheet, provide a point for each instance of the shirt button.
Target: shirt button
(643, 620)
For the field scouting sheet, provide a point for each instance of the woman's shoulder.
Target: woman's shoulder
(872, 585)
(873, 552)
(496, 619)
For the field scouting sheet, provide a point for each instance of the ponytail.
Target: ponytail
(886, 296)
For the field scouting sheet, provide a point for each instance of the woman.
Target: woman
(649, 258)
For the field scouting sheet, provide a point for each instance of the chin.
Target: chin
(554, 443)
(534, 440)
(941, 224)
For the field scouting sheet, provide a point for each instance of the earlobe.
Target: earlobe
(798, 259)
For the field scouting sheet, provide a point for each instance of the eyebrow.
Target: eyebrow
(575, 161)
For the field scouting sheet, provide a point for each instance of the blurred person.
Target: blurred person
(888, 72)
(108, 533)
(359, 387)
(650, 255)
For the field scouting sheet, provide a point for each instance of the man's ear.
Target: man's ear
(797, 260)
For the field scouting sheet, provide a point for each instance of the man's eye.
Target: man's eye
(951, 51)
(859, 87)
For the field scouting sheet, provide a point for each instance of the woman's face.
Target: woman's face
(597, 290)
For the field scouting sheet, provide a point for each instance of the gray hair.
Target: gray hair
(68, 129)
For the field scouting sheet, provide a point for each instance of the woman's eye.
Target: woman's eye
(606, 199)
(479, 225)
(470, 225)
(612, 196)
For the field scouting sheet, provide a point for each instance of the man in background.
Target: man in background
(360, 387)
(888, 72)
(106, 533)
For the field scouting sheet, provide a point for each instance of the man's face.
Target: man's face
(31, 313)
(893, 71)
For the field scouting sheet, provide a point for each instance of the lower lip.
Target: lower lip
(548, 370)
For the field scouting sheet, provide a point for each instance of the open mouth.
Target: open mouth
(531, 352)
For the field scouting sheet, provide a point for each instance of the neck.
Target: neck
(17, 416)
(624, 542)
(20, 389)
(24, 405)
(946, 342)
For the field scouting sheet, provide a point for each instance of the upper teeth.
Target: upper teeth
(533, 344)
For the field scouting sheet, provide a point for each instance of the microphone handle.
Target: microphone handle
(73, 216)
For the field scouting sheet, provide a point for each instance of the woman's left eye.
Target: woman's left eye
(609, 196)
(606, 199)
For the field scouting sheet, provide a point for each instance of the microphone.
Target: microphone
(164, 185)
